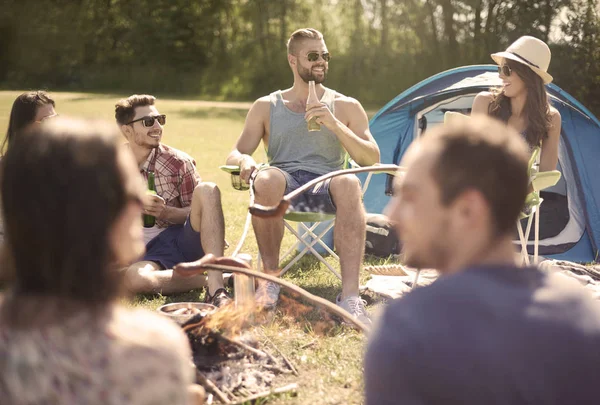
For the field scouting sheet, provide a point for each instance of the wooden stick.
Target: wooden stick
(289, 363)
(280, 390)
(244, 346)
(190, 270)
(211, 386)
(280, 209)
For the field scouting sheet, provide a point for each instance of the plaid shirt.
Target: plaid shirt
(175, 177)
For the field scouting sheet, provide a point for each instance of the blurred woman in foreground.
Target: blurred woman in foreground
(72, 202)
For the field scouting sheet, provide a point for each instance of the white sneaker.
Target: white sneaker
(355, 306)
(267, 294)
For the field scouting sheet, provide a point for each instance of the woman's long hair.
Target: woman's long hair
(62, 189)
(537, 107)
(23, 113)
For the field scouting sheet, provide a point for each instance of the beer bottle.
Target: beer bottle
(149, 220)
(313, 125)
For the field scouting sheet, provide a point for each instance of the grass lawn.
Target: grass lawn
(327, 355)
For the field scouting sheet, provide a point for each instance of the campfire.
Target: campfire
(231, 365)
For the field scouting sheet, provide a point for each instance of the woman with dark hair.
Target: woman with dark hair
(30, 107)
(522, 102)
(72, 202)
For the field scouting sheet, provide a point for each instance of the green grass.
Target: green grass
(327, 355)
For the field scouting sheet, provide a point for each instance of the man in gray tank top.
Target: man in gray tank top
(297, 156)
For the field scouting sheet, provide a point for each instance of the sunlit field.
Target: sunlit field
(328, 356)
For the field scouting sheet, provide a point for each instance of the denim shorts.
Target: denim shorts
(176, 244)
(315, 199)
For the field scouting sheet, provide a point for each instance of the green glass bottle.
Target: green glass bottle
(149, 220)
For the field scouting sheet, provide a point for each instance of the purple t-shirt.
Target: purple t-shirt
(487, 335)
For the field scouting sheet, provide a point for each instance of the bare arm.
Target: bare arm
(549, 156)
(481, 103)
(355, 137)
(252, 134)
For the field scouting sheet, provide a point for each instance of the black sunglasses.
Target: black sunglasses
(314, 56)
(505, 70)
(148, 121)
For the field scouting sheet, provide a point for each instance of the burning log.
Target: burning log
(229, 365)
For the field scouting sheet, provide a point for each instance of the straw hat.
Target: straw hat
(531, 52)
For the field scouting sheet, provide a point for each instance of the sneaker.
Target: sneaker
(355, 306)
(219, 299)
(267, 294)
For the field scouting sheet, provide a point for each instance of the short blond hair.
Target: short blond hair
(300, 35)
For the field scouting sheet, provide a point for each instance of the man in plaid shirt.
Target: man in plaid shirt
(189, 217)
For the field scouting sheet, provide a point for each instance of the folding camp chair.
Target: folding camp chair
(306, 236)
(533, 201)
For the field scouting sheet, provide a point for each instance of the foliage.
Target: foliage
(235, 49)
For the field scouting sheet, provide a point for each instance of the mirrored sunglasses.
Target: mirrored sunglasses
(314, 56)
(504, 70)
(148, 121)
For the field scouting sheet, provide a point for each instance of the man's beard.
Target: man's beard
(307, 75)
(436, 255)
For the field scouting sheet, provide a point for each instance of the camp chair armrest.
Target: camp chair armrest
(543, 180)
(231, 169)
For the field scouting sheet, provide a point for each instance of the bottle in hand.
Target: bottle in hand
(150, 220)
(313, 125)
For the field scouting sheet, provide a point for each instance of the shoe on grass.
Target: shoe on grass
(219, 299)
(355, 306)
(267, 294)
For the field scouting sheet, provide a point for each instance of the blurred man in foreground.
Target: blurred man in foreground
(486, 332)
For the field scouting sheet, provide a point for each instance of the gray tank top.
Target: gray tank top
(292, 147)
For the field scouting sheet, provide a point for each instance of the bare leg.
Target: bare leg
(207, 217)
(269, 187)
(350, 230)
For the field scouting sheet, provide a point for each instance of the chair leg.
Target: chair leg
(309, 247)
(536, 242)
(416, 280)
(523, 240)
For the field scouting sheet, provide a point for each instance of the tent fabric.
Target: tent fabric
(401, 120)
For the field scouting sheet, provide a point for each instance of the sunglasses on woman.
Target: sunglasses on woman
(504, 70)
(148, 121)
(314, 56)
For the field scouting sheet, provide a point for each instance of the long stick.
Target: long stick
(280, 209)
(285, 359)
(280, 390)
(211, 386)
(318, 301)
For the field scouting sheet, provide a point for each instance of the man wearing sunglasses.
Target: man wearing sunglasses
(297, 156)
(189, 217)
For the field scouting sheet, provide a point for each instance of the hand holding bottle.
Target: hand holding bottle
(317, 113)
(154, 205)
(247, 166)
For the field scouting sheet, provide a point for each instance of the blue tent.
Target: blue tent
(570, 214)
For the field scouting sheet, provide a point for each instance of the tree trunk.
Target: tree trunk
(449, 32)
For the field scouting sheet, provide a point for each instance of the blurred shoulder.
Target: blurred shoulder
(143, 329)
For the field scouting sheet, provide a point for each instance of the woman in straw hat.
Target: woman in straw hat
(522, 101)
